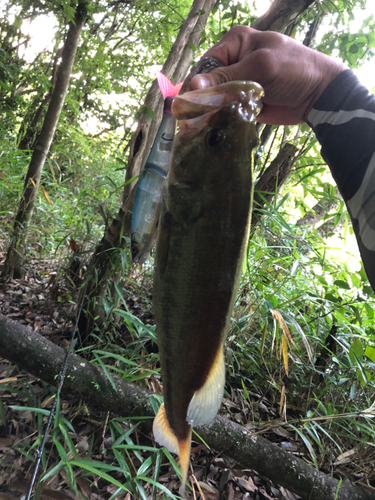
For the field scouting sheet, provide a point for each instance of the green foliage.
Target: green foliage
(225, 14)
(292, 297)
(124, 448)
(114, 66)
(71, 204)
(353, 48)
(293, 293)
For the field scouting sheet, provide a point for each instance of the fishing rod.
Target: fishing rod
(57, 396)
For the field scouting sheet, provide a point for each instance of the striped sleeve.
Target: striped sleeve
(343, 120)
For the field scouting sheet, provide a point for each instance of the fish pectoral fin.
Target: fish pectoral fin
(164, 435)
(207, 400)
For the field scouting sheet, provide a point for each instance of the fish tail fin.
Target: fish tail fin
(167, 88)
(164, 435)
(207, 400)
(184, 453)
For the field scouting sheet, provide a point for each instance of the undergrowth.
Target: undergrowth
(300, 350)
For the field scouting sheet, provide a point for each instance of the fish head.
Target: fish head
(213, 146)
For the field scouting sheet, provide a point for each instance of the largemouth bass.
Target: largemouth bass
(202, 237)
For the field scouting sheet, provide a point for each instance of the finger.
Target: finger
(233, 48)
(217, 76)
(234, 44)
(259, 66)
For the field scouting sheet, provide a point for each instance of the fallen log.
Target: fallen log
(43, 359)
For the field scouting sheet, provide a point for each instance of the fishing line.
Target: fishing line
(57, 396)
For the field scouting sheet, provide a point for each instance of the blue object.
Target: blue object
(148, 197)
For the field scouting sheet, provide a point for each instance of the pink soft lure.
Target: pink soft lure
(167, 88)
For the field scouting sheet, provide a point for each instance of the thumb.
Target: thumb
(217, 76)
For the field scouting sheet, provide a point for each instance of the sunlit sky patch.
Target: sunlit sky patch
(41, 32)
(259, 7)
(366, 73)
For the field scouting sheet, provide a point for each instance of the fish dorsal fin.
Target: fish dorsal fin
(207, 400)
(164, 435)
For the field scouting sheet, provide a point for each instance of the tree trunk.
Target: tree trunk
(332, 227)
(29, 350)
(103, 263)
(279, 16)
(177, 64)
(326, 353)
(15, 256)
(320, 209)
(272, 180)
(27, 135)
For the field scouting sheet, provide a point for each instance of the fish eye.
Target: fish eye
(215, 137)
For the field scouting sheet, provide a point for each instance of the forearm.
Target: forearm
(343, 120)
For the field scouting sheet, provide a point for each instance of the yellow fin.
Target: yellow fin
(184, 453)
(206, 402)
(164, 435)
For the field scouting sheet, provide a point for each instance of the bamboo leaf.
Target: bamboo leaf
(46, 197)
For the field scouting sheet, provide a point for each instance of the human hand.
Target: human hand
(292, 75)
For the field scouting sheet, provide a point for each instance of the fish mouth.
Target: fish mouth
(194, 110)
(199, 102)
